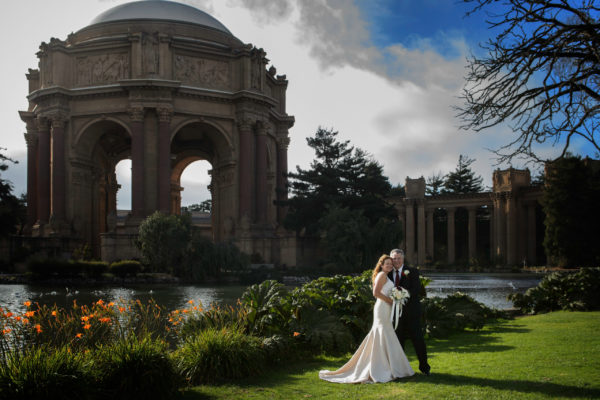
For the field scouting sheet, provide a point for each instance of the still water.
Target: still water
(490, 289)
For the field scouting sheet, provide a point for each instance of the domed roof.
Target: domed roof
(159, 10)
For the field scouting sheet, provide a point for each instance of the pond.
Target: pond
(490, 289)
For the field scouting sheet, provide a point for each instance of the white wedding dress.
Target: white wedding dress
(380, 357)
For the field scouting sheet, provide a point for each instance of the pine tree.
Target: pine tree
(435, 184)
(463, 179)
(12, 209)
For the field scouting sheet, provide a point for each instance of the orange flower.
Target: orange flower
(186, 311)
(79, 335)
(29, 314)
(25, 321)
(85, 318)
(110, 304)
(18, 318)
(6, 331)
(121, 309)
(27, 303)
(54, 313)
(191, 301)
(38, 328)
(88, 326)
(296, 334)
(100, 302)
(104, 320)
(9, 314)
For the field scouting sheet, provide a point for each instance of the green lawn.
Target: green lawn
(554, 355)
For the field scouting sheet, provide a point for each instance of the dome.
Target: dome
(159, 10)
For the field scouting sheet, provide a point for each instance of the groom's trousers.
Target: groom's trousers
(408, 329)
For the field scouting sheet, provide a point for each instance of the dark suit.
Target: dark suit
(409, 325)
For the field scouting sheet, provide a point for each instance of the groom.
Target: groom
(409, 324)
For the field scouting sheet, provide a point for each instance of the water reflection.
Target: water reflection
(490, 289)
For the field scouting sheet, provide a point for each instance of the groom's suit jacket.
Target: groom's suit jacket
(410, 281)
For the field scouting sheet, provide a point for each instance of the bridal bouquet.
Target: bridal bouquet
(400, 297)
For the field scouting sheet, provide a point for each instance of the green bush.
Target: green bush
(57, 268)
(92, 269)
(216, 355)
(125, 268)
(573, 291)
(136, 368)
(163, 241)
(268, 308)
(455, 313)
(45, 373)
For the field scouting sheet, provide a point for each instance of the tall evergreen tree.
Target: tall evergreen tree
(12, 208)
(463, 179)
(342, 180)
(434, 184)
(570, 202)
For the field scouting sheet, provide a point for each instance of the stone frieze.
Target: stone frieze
(201, 72)
(102, 69)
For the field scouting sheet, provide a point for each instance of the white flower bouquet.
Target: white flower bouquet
(400, 297)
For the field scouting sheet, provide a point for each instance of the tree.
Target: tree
(463, 179)
(205, 206)
(342, 181)
(163, 241)
(12, 208)
(570, 203)
(541, 74)
(435, 184)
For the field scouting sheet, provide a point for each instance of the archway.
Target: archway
(123, 174)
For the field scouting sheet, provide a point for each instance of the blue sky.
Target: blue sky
(385, 73)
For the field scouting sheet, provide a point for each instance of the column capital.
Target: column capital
(31, 138)
(283, 141)
(245, 124)
(57, 120)
(42, 123)
(164, 114)
(136, 114)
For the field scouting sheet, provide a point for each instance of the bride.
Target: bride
(380, 357)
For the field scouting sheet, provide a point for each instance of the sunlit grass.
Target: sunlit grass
(554, 355)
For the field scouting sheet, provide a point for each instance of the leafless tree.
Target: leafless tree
(541, 74)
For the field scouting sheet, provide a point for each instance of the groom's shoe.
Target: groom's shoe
(425, 370)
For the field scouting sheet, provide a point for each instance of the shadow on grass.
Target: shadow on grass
(546, 388)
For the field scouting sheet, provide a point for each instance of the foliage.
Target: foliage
(205, 258)
(135, 367)
(205, 206)
(267, 308)
(163, 240)
(45, 373)
(463, 179)
(570, 202)
(189, 321)
(540, 74)
(57, 268)
(435, 184)
(341, 180)
(572, 291)
(12, 208)
(214, 355)
(125, 268)
(455, 313)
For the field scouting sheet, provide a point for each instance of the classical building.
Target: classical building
(503, 226)
(163, 84)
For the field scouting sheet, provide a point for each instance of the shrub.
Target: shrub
(45, 373)
(93, 269)
(214, 355)
(163, 240)
(187, 322)
(268, 308)
(125, 268)
(455, 313)
(136, 368)
(574, 291)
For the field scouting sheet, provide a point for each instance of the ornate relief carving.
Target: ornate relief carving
(164, 114)
(136, 114)
(106, 68)
(150, 54)
(200, 71)
(31, 139)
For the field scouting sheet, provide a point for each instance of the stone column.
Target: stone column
(421, 231)
(500, 225)
(136, 115)
(32, 149)
(450, 211)
(511, 231)
(282, 170)
(245, 170)
(164, 160)
(58, 169)
(410, 231)
(472, 232)
(43, 176)
(261, 173)
(430, 235)
(531, 234)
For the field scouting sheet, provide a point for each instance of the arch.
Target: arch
(86, 138)
(215, 131)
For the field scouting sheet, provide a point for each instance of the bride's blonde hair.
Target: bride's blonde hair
(379, 266)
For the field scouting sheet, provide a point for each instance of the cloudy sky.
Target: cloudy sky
(384, 73)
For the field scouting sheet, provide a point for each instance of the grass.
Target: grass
(554, 355)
